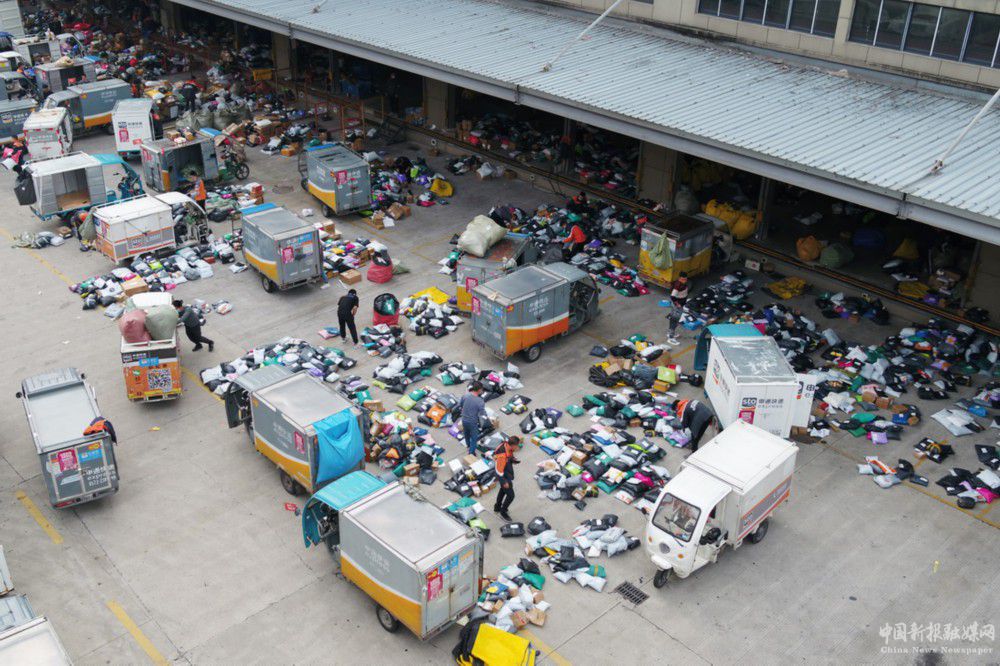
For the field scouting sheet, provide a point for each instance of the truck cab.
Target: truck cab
(724, 494)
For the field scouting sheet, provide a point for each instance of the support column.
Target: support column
(439, 103)
(169, 18)
(984, 273)
(657, 172)
(281, 52)
(237, 41)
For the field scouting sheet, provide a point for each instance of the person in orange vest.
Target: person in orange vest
(199, 193)
(574, 242)
(101, 424)
(695, 416)
(504, 461)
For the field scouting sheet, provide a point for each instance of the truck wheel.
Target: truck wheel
(327, 211)
(761, 531)
(385, 618)
(290, 485)
(109, 129)
(267, 284)
(249, 428)
(305, 184)
(532, 353)
(660, 578)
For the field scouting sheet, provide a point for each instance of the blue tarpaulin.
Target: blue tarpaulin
(341, 446)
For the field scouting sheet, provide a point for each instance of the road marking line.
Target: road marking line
(548, 652)
(42, 521)
(190, 374)
(605, 299)
(140, 638)
(40, 259)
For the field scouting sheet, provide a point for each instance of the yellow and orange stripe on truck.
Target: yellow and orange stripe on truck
(329, 197)
(401, 607)
(297, 469)
(522, 337)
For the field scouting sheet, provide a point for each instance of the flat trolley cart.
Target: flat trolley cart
(420, 566)
(77, 468)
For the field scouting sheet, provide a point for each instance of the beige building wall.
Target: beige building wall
(684, 14)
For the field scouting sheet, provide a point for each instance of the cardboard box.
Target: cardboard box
(377, 220)
(350, 277)
(135, 286)
(579, 457)
(411, 470)
(662, 387)
(398, 211)
(374, 405)
(292, 150)
(536, 617)
(469, 460)
(520, 619)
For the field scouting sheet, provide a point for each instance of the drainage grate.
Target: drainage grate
(631, 593)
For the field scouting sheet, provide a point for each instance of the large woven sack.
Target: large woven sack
(133, 327)
(808, 248)
(836, 255)
(481, 234)
(161, 322)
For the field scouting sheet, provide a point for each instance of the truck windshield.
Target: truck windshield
(676, 517)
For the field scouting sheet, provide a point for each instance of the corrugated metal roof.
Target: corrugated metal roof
(863, 132)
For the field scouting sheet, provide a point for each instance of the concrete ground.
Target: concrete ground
(197, 560)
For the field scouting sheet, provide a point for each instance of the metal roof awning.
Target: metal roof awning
(866, 141)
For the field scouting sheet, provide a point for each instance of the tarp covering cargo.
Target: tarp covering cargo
(341, 446)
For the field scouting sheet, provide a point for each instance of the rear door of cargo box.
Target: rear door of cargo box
(79, 469)
(489, 323)
(450, 586)
(299, 256)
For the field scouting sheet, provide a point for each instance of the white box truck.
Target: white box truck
(748, 379)
(145, 223)
(724, 493)
(48, 133)
(133, 123)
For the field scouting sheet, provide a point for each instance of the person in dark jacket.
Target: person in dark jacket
(695, 416)
(473, 409)
(504, 461)
(347, 307)
(192, 326)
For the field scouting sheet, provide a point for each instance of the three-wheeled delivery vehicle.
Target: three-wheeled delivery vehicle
(77, 458)
(34, 642)
(749, 379)
(283, 248)
(16, 85)
(52, 77)
(152, 368)
(90, 104)
(507, 255)
(13, 113)
(48, 133)
(63, 185)
(168, 165)
(337, 176)
(38, 49)
(724, 493)
(11, 60)
(418, 564)
(146, 223)
(521, 311)
(133, 122)
(310, 432)
(679, 243)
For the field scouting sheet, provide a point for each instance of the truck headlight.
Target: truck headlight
(664, 548)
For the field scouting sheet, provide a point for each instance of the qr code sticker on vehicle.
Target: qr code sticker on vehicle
(159, 379)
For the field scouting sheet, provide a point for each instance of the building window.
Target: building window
(940, 32)
(817, 17)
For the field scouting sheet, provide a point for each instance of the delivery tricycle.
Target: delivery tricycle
(310, 432)
(175, 165)
(724, 494)
(90, 104)
(677, 244)
(38, 49)
(151, 367)
(76, 453)
(337, 176)
(147, 223)
(420, 566)
(523, 310)
(60, 186)
(134, 121)
(52, 77)
(48, 133)
(282, 247)
(16, 85)
(510, 253)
